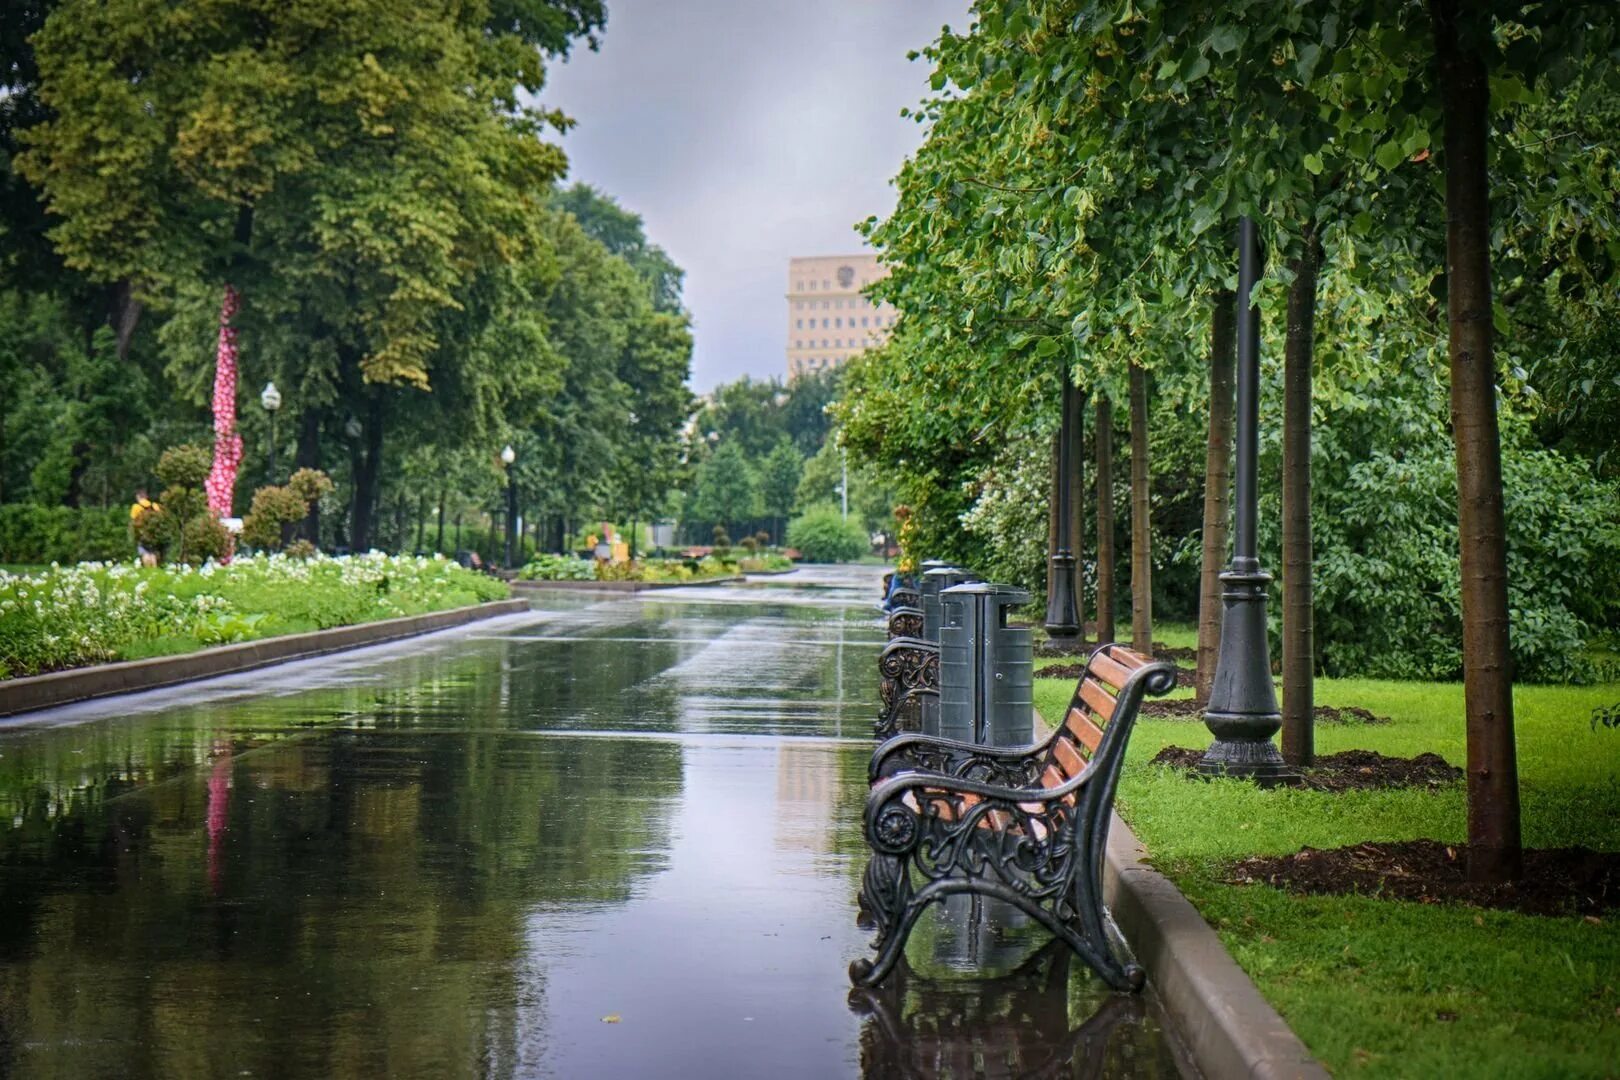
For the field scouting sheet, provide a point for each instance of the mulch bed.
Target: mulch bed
(1348, 770)
(1556, 881)
(1187, 709)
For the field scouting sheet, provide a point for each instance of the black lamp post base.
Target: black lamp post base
(1247, 759)
(1061, 619)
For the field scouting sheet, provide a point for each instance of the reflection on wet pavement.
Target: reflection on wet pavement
(617, 836)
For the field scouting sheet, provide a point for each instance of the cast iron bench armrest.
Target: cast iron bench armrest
(947, 757)
(931, 787)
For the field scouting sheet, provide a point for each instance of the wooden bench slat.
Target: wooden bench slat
(1053, 777)
(1084, 729)
(1068, 758)
(1109, 671)
(1100, 700)
(1130, 658)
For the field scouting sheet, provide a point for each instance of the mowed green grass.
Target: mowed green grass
(1391, 988)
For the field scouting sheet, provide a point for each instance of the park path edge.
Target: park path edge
(35, 692)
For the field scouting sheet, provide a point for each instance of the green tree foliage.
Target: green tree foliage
(726, 489)
(779, 477)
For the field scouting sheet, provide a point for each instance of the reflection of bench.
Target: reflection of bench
(953, 1027)
(1026, 825)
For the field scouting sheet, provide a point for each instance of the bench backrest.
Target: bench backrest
(1092, 722)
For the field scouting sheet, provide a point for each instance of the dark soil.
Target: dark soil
(1185, 707)
(1556, 881)
(1084, 648)
(1348, 770)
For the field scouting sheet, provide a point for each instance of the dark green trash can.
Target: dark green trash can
(934, 582)
(986, 668)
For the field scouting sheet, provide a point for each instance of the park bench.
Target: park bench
(1024, 825)
(908, 670)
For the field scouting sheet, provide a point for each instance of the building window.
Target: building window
(825, 284)
(863, 320)
(838, 323)
(800, 326)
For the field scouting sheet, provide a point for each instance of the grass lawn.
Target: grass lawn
(71, 616)
(1392, 988)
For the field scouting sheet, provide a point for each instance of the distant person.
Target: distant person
(137, 514)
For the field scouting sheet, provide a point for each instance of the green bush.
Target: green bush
(558, 568)
(1388, 600)
(822, 535)
(62, 534)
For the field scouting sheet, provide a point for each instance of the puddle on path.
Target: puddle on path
(618, 837)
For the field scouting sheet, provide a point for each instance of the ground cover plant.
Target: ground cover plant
(89, 613)
(1390, 987)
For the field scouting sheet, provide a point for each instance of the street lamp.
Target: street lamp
(508, 455)
(1242, 710)
(1062, 605)
(271, 400)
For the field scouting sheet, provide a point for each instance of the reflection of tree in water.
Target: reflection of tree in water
(1030, 1023)
(371, 899)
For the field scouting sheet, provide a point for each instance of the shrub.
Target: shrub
(181, 527)
(558, 568)
(823, 535)
(63, 534)
(1388, 602)
(275, 507)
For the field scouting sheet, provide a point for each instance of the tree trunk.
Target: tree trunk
(1141, 519)
(1217, 488)
(1494, 842)
(438, 544)
(1298, 620)
(309, 457)
(123, 315)
(368, 474)
(1105, 520)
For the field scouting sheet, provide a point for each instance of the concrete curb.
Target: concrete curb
(65, 687)
(621, 586)
(1227, 1026)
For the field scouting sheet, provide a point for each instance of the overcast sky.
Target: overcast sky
(746, 132)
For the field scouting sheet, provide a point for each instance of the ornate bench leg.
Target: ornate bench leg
(886, 900)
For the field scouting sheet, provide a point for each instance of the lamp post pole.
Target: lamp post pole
(1242, 710)
(508, 456)
(271, 400)
(1062, 610)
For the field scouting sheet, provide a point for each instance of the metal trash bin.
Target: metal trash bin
(986, 668)
(934, 582)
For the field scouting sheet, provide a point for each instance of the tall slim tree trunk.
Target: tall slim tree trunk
(1298, 620)
(1217, 488)
(123, 314)
(438, 544)
(1141, 519)
(1494, 841)
(309, 457)
(368, 475)
(1105, 519)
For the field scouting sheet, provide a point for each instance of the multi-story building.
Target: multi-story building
(828, 319)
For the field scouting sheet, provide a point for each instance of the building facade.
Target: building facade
(828, 320)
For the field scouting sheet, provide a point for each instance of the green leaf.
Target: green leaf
(1388, 155)
(1313, 164)
(1226, 38)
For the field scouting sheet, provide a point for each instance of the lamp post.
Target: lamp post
(1242, 710)
(1062, 607)
(271, 400)
(508, 456)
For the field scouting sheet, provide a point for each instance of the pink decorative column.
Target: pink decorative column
(221, 481)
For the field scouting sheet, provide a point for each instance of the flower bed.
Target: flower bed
(90, 613)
